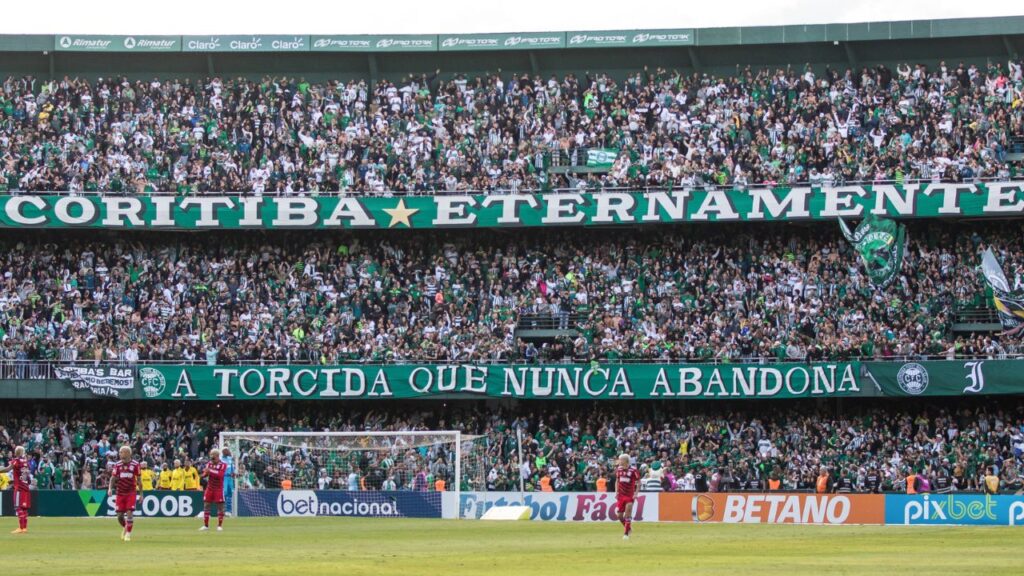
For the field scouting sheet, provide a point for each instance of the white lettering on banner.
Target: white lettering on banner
(509, 207)
(163, 505)
(307, 503)
(839, 201)
(618, 203)
(451, 211)
(564, 507)
(85, 208)
(786, 509)
(297, 503)
(1001, 198)
(563, 209)
(759, 204)
(212, 44)
(16, 213)
(792, 205)
(1016, 513)
(950, 195)
(207, 209)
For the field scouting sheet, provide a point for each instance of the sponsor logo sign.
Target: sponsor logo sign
(96, 43)
(100, 380)
(630, 38)
(524, 41)
(254, 43)
(954, 509)
(773, 508)
(309, 503)
(562, 507)
(402, 43)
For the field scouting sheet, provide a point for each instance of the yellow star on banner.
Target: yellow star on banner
(400, 214)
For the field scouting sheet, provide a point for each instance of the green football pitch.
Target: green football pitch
(289, 546)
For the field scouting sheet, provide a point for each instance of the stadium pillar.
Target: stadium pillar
(694, 58)
(534, 64)
(851, 56)
(52, 65)
(371, 61)
(1011, 50)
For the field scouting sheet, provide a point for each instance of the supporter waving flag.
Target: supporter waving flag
(1009, 303)
(880, 242)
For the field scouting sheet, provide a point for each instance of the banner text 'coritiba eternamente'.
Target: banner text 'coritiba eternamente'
(512, 210)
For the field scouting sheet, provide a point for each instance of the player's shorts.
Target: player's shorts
(213, 498)
(621, 501)
(22, 499)
(126, 502)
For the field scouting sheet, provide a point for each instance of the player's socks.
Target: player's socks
(128, 526)
(206, 518)
(220, 519)
(629, 527)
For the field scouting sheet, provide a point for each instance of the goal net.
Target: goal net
(368, 474)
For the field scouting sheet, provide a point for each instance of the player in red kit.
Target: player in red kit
(627, 479)
(214, 473)
(22, 496)
(126, 482)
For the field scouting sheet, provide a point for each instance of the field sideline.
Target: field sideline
(289, 546)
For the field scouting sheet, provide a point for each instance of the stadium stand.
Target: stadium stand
(783, 293)
(511, 133)
(709, 293)
(738, 447)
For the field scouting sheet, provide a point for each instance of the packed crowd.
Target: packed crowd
(713, 293)
(444, 132)
(867, 448)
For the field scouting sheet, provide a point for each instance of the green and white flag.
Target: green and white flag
(601, 157)
(1009, 303)
(880, 243)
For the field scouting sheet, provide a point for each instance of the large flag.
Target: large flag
(601, 157)
(1009, 303)
(880, 242)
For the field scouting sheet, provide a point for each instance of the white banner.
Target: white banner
(551, 506)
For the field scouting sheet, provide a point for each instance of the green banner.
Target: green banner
(253, 43)
(366, 43)
(633, 38)
(880, 243)
(601, 157)
(947, 377)
(511, 211)
(571, 381)
(96, 43)
(524, 41)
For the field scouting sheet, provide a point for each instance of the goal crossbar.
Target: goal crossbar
(446, 436)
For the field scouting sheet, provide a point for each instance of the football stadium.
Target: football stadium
(706, 300)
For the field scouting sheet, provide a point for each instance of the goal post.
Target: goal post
(378, 470)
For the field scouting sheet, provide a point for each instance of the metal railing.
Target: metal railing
(504, 191)
(47, 369)
(548, 321)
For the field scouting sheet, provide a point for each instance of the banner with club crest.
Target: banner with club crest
(880, 243)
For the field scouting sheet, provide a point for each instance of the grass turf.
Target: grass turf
(350, 546)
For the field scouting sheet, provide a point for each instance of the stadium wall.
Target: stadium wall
(617, 52)
(97, 504)
(729, 508)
